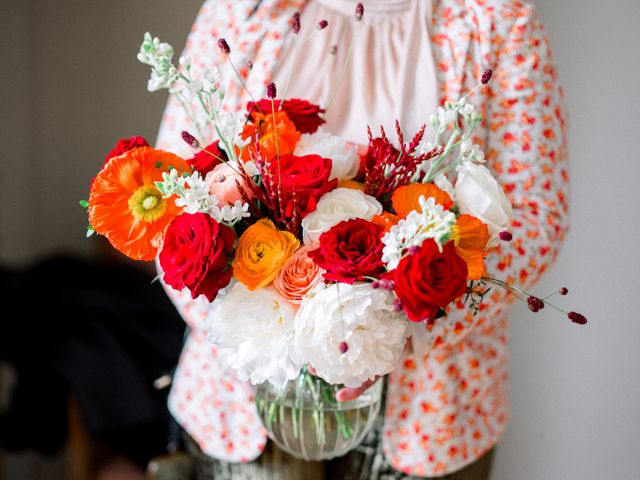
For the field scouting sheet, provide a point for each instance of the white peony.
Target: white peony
(478, 193)
(345, 161)
(336, 206)
(350, 333)
(254, 330)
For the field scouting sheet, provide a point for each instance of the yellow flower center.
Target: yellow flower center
(146, 204)
(455, 235)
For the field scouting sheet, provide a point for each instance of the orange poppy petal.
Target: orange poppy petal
(386, 220)
(133, 233)
(352, 184)
(471, 240)
(405, 199)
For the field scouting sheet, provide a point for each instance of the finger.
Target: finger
(349, 394)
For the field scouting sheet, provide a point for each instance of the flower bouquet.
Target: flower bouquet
(316, 255)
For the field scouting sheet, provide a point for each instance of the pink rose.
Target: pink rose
(298, 276)
(223, 183)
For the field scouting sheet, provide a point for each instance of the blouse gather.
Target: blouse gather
(391, 74)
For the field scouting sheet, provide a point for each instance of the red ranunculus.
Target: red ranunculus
(350, 251)
(304, 115)
(126, 144)
(203, 162)
(304, 178)
(196, 254)
(429, 280)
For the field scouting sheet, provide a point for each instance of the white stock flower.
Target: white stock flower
(443, 183)
(336, 206)
(254, 331)
(230, 214)
(432, 221)
(195, 196)
(471, 152)
(374, 334)
(344, 157)
(158, 56)
(478, 194)
(230, 127)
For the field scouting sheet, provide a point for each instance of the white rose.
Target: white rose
(350, 333)
(344, 157)
(478, 193)
(254, 330)
(336, 206)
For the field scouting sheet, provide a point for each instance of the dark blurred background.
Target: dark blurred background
(70, 86)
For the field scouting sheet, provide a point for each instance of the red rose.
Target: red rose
(304, 115)
(196, 255)
(126, 144)
(304, 178)
(203, 162)
(350, 251)
(429, 280)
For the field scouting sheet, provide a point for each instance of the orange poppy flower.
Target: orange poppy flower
(405, 199)
(386, 220)
(470, 237)
(263, 129)
(125, 205)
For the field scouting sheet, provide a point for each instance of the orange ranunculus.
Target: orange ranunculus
(386, 220)
(405, 199)
(352, 184)
(126, 207)
(470, 237)
(298, 277)
(262, 129)
(261, 252)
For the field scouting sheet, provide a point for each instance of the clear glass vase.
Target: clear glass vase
(305, 420)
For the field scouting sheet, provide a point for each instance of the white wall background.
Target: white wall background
(70, 85)
(576, 391)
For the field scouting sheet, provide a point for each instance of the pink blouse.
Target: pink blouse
(447, 400)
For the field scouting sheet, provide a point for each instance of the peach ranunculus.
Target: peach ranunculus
(261, 252)
(223, 182)
(299, 275)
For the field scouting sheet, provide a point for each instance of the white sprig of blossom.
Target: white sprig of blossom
(458, 144)
(349, 333)
(192, 90)
(229, 126)
(158, 56)
(432, 221)
(194, 196)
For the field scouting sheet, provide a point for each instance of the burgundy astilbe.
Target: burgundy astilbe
(387, 168)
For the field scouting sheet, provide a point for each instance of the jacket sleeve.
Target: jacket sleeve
(526, 149)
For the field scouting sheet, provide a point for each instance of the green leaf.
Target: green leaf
(158, 164)
(90, 231)
(84, 203)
